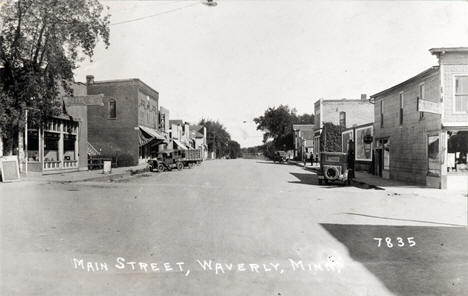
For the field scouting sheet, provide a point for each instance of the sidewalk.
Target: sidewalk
(366, 180)
(83, 176)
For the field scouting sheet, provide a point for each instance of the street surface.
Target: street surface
(268, 229)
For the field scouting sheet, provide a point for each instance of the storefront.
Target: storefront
(53, 147)
(455, 157)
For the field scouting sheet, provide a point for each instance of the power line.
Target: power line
(154, 15)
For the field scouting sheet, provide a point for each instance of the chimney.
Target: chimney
(89, 79)
(363, 97)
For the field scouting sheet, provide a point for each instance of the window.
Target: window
(343, 119)
(112, 109)
(461, 94)
(401, 108)
(421, 97)
(381, 113)
(433, 155)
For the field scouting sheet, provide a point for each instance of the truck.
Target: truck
(175, 159)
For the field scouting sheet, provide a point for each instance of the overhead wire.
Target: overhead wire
(154, 15)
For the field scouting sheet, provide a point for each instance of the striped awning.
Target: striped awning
(181, 145)
(146, 135)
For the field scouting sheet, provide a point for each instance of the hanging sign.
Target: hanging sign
(428, 106)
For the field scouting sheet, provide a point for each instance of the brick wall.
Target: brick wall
(408, 142)
(115, 136)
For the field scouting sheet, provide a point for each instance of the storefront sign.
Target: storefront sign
(428, 106)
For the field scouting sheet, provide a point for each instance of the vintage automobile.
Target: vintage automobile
(166, 161)
(175, 159)
(334, 168)
(280, 156)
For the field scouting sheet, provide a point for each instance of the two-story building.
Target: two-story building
(345, 113)
(127, 127)
(421, 124)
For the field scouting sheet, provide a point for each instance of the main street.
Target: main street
(230, 227)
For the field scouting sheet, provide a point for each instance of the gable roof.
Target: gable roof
(424, 73)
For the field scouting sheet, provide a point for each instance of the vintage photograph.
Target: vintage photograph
(233, 147)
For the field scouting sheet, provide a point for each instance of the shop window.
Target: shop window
(457, 151)
(51, 146)
(461, 94)
(69, 147)
(112, 109)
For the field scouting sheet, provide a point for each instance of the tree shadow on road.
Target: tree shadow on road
(436, 265)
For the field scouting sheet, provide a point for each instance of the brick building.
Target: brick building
(421, 124)
(128, 125)
(346, 113)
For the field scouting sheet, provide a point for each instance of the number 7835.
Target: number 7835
(399, 241)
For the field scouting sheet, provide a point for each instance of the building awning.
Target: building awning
(146, 135)
(181, 145)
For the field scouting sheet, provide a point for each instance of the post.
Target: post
(26, 141)
(1, 143)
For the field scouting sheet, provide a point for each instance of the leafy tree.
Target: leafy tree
(217, 137)
(234, 149)
(277, 125)
(41, 43)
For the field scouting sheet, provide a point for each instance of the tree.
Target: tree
(217, 137)
(277, 125)
(234, 149)
(41, 43)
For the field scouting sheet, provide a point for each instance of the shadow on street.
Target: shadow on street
(436, 265)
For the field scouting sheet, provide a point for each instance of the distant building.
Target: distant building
(198, 139)
(164, 125)
(303, 140)
(128, 125)
(179, 135)
(421, 124)
(345, 113)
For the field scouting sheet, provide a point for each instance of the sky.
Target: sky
(233, 61)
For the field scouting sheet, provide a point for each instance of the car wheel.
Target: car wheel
(160, 168)
(179, 166)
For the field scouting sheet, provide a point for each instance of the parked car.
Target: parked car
(334, 168)
(280, 156)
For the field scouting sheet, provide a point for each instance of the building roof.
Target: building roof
(176, 121)
(135, 80)
(344, 100)
(438, 50)
(424, 73)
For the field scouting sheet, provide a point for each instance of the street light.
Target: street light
(209, 3)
